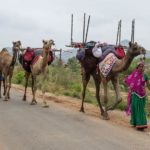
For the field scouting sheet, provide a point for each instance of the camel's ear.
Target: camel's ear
(130, 44)
(19, 42)
(136, 44)
(52, 41)
(14, 43)
(43, 41)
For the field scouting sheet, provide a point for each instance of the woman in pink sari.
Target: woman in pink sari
(137, 96)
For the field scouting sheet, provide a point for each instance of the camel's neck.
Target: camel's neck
(123, 64)
(14, 58)
(45, 58)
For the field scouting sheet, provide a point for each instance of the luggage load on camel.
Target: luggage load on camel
(101, 50)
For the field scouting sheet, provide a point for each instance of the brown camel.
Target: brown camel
(40, 67)
(88, 66)
(7, 63)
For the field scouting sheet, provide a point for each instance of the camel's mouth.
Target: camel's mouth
(143, 51)
(16, 48)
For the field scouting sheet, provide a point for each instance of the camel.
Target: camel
(89, 65)
(40, 67)
(7, 63)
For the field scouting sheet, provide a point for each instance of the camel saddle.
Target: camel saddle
(31, 55)
(120, 52)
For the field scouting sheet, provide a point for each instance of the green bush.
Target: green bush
(18, 77)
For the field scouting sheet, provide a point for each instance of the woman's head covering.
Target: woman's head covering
(141, 63)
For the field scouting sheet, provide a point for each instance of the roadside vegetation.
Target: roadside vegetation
(66, 80)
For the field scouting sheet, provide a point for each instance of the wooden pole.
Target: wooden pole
(118, 39)
(54, 54)
(132, 31)
(120, 32)
(84, 28)
(87, 30)
(117, 34)
(71, 29)
(60, 54)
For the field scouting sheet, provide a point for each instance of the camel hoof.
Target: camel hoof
(33, 103)
(82, 110)
(24, 98)
(106, 118)
(45, 106)
(102, 113)
(5, 100)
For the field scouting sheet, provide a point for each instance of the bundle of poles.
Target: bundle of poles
(85, 31)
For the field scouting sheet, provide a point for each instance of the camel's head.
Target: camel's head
(16, 46)
(135, 50)
(47, 44)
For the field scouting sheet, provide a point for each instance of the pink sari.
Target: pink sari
(136, 83)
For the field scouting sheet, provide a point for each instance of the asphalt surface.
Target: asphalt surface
(26, 127)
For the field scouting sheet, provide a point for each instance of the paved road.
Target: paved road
(25, 127)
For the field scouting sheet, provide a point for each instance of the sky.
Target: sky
(31, 21)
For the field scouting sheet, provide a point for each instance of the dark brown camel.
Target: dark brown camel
(89, 64)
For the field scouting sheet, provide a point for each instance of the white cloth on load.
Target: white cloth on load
(97, 51)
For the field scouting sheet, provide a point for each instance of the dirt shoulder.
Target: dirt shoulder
(116, 117)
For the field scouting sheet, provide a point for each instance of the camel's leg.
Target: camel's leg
(97, 80)
(8, 93)
(0, 88)
(85, 80)
(2, 80)
(0, 84)
(115, 82)
(4, 86)
(27, 75)
(105, 115)
(34, 88)
(45, 105)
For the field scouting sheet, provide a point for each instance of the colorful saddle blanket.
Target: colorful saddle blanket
(106, 65)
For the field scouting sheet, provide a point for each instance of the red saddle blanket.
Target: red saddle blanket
(120, 52)
(28, 54)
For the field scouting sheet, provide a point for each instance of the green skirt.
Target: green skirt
(138, 114)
